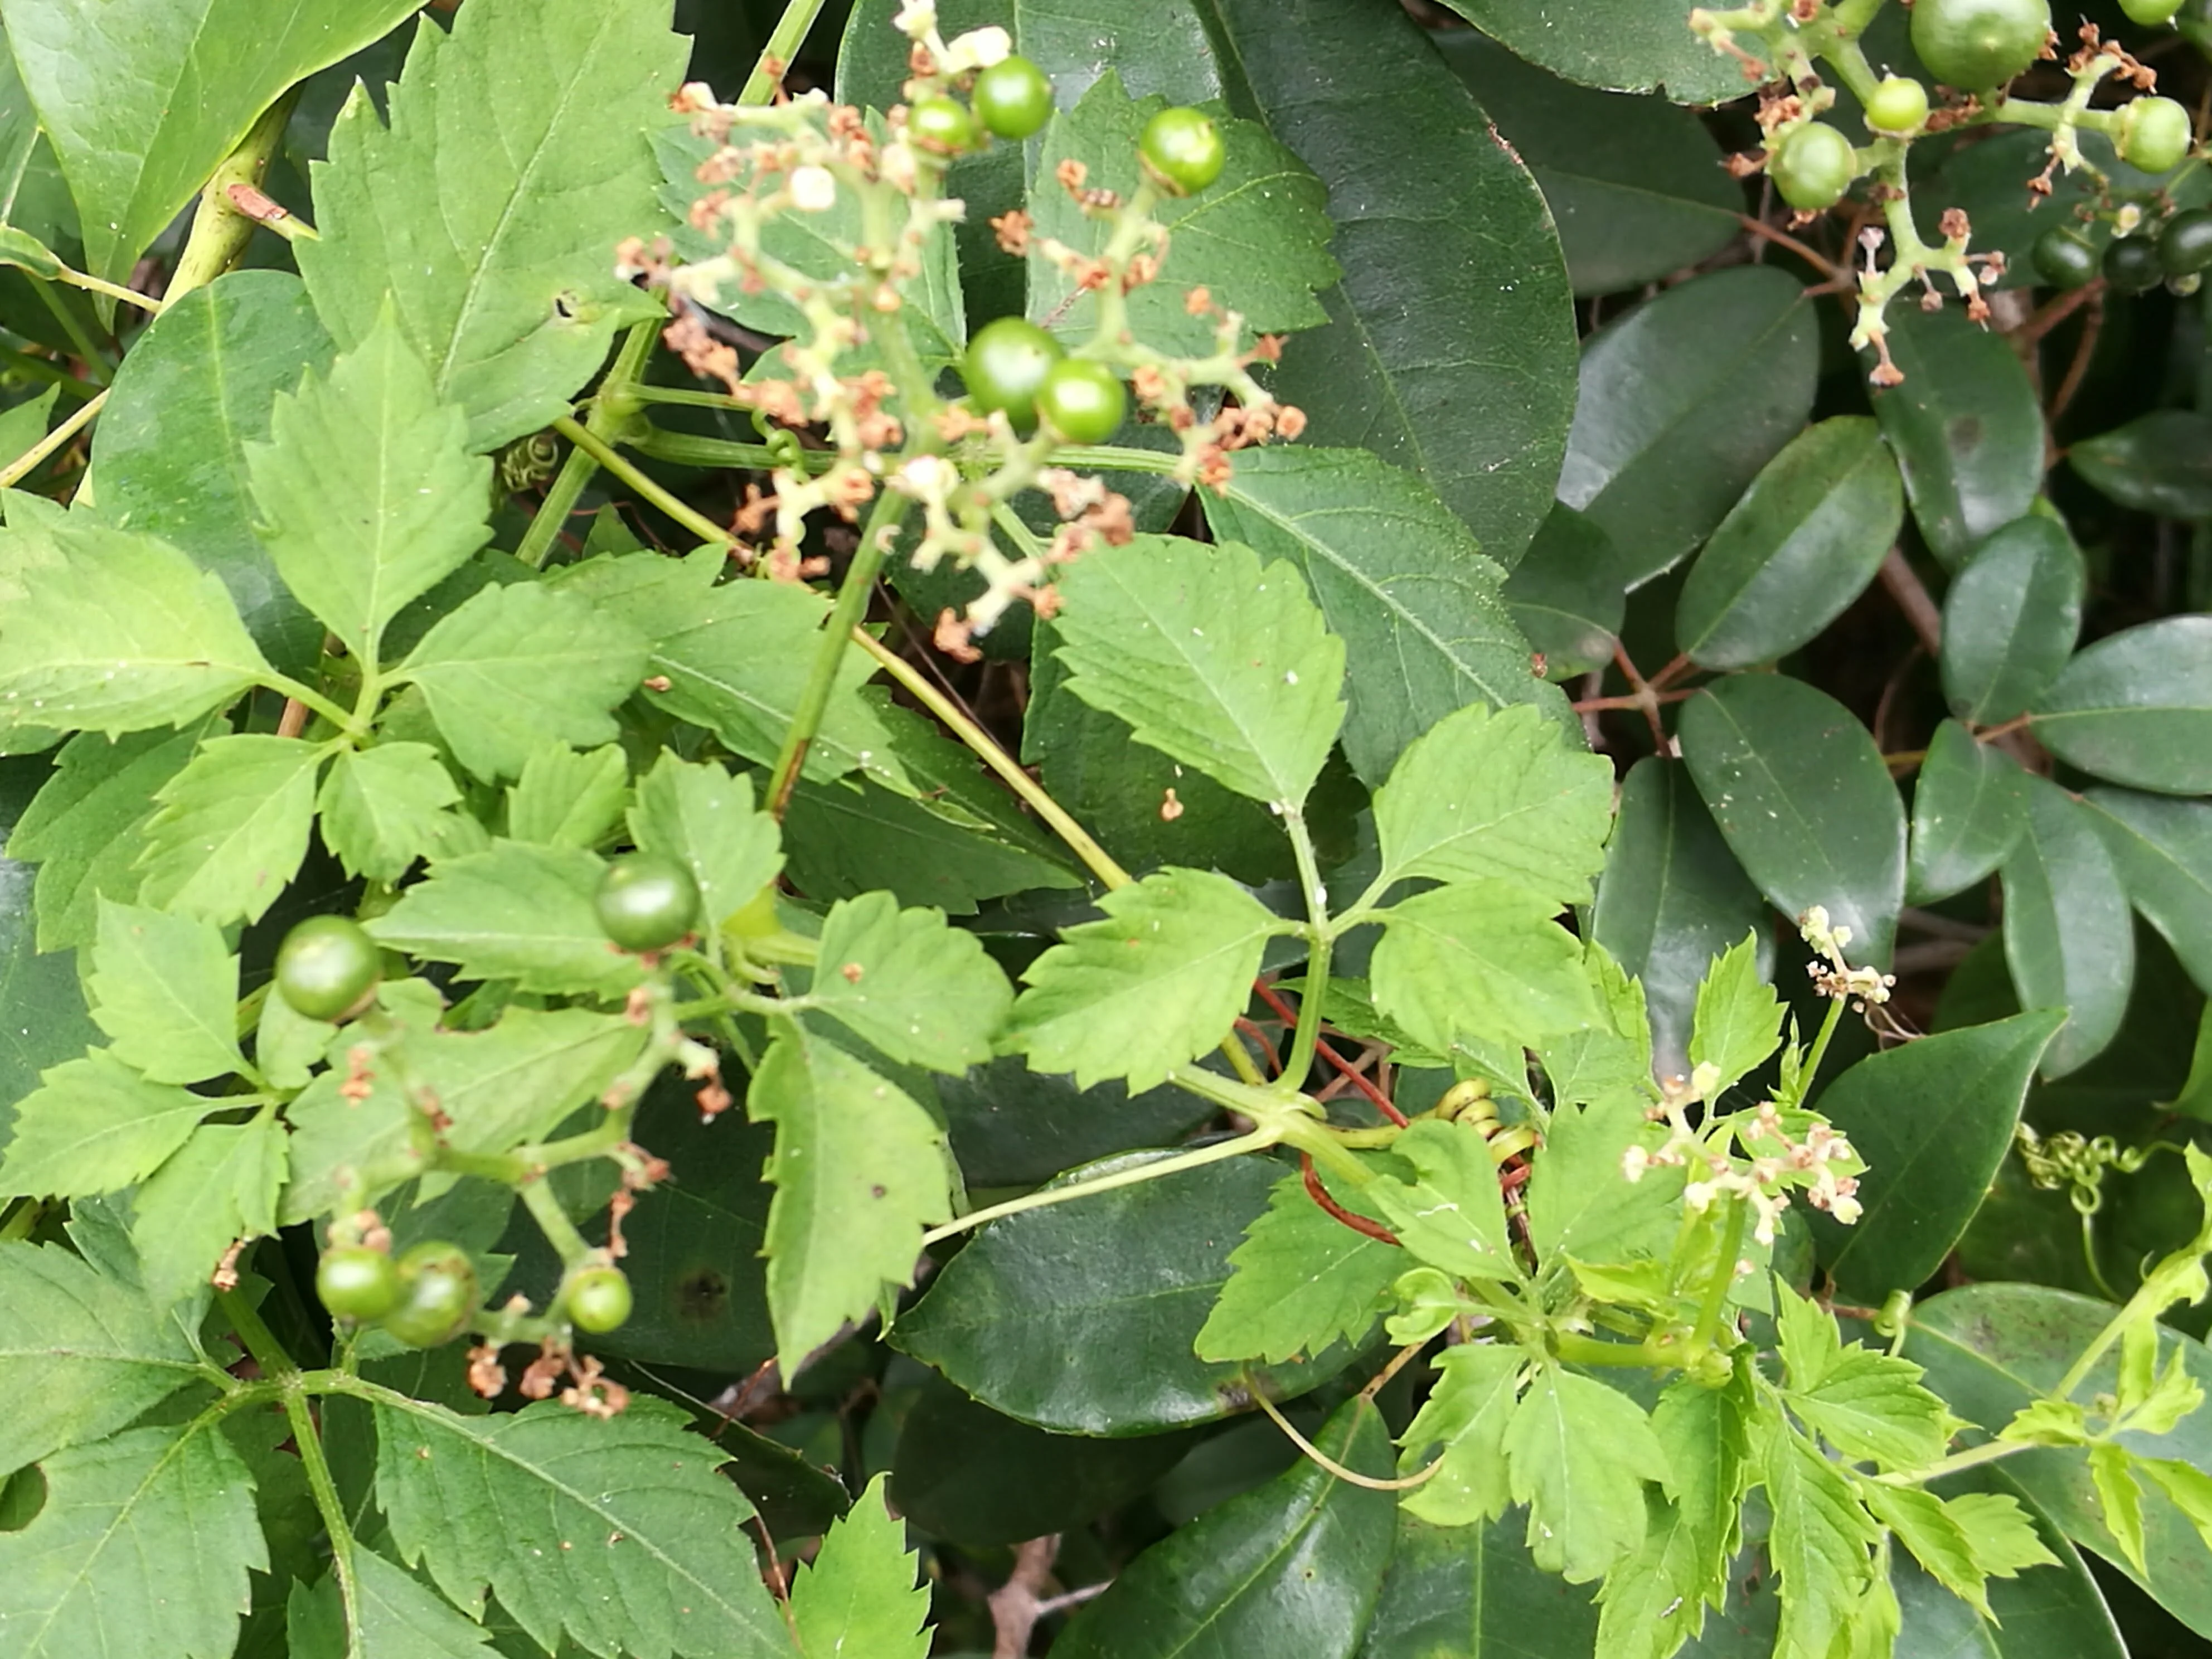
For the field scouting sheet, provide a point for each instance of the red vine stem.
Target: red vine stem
(1319, 1193)
(1349, 1072)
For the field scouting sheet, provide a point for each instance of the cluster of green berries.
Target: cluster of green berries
(1010, 98)
(431, 1295)
(2177, 250)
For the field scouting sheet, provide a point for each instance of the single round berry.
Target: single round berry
(1082, 400)
(2154, 134)
(1012, 97)
(327, 968)
(2153, 12)
(647, 901)
(2185, 246)
(437, 1295)
(941, 126)
(1006, 363)
(355, 1282)
(1813, 166)
(2132, 264)
(2064, 257)
(1898, 108)
(597, 1298)
(1181, 149)
(1974, 45)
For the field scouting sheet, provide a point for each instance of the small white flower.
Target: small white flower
(916, 18)
(813, 189)
(977, 49)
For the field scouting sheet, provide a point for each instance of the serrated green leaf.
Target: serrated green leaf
(395, 1617)
(564, 798)
(1300, 1281)
(368, 501)
(1265, 198)
(1578, 1453)
(1480, 959)
(860, 1171)
(1738, 1022)
(288, 1045)
(1222, 664)
(117, 632)
(1819, 1542)
(2188, 1487)
(1452, 1214)
(2120, 1499)
(81, 1354)
(921, 992)
(1580, 1203)
(93, 1125)
(383, 808)
(704, 815)
(518, 666)
(232, 827)
(1504, 795)
(1960, 1542)
(858, 1595)
(619, 1533)
(1866, 1405)
(143, 1547)
(1612, 1057)
(508, 290)
(165, 989)
(220, 1187)
(1465, 1413)
(1158, 981)
(515, 911)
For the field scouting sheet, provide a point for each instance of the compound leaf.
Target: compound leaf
(704, 815)
(1578, 1453)
(1450, 1214)
(383, 808)
(1466, 1413)
(165, 989)
(1480, 959)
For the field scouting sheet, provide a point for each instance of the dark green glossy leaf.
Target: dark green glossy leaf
(1473, 1593)
(1624, 44)
(1969, 807)
(2010, 619)
(1400, 580)
(2136, 707)
(1932, 1120)
(1965, 426)
(1565, 596)
(1080, 1317)
(1635, 184)
(969, 1475)
(170, 457)
(1291, 1567)
(1682, 401)
(1988, 1348)
(2068, 937)
(2160, 463)
(1444, 241)
(1801, 545)
(1672, 898)
(1013, 1127)
(1799, 790)
(2163, 848)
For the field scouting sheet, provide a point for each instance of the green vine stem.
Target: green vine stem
(220, 232)
(28, 461)
(783, 43)
(612, 406)
(1258, 1140)
(605, 454)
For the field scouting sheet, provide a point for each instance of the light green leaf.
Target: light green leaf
(1652, 1602)
(1866, 1405)
(1580, 1203)
(93, 1125)
(1483, 959)
(1578, 1453)
(704, 815)
(116, 632)
(220, 1186)
(619, 1533)
(1451, 1215)
(1300, 1281)
(366, 499)
(1819, 1543)
(858, 1596)
(2119, 1500)
(1739, 1019)
(1505, 795)
(860, 1171)
(143, 1547)
(921, 992)
(165, 989)
(383, 808)
(515, 911)
(518, 666)
(1962, 1541)
(395, 1616)
(288, 1045)
(1466, 1413)
(1612, 1057)
(2188, 1487)
(81, 1354)
(508, 288)
(1212, 659)
(1157, 982)
(232, 827)
(564, 798)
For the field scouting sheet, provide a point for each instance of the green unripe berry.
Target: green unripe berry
(1813, 166)
(941, 126)
(1975, 44)
(438, 1295)
(1898, 108)
(597, 1298)
(1082, 400)
(2153, 12)
(327, 968)
(1005, 367)
(1012, 97)
(2153, 134)
(355, 1282)
(1183, 151)
(2064, 258)
(2132, 264)
(647, 901)
(2185, 246)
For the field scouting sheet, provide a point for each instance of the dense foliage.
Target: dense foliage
(1173, 828)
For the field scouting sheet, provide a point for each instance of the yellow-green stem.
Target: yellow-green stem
(609, 410)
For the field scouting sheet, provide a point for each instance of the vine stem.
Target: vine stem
(1318, 942)
(1351, 1477)
(220, 232)
(1259, 1141)
(26, 463)
(611, 407)
(783, 43)
(306, 1438)
(605, 454)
